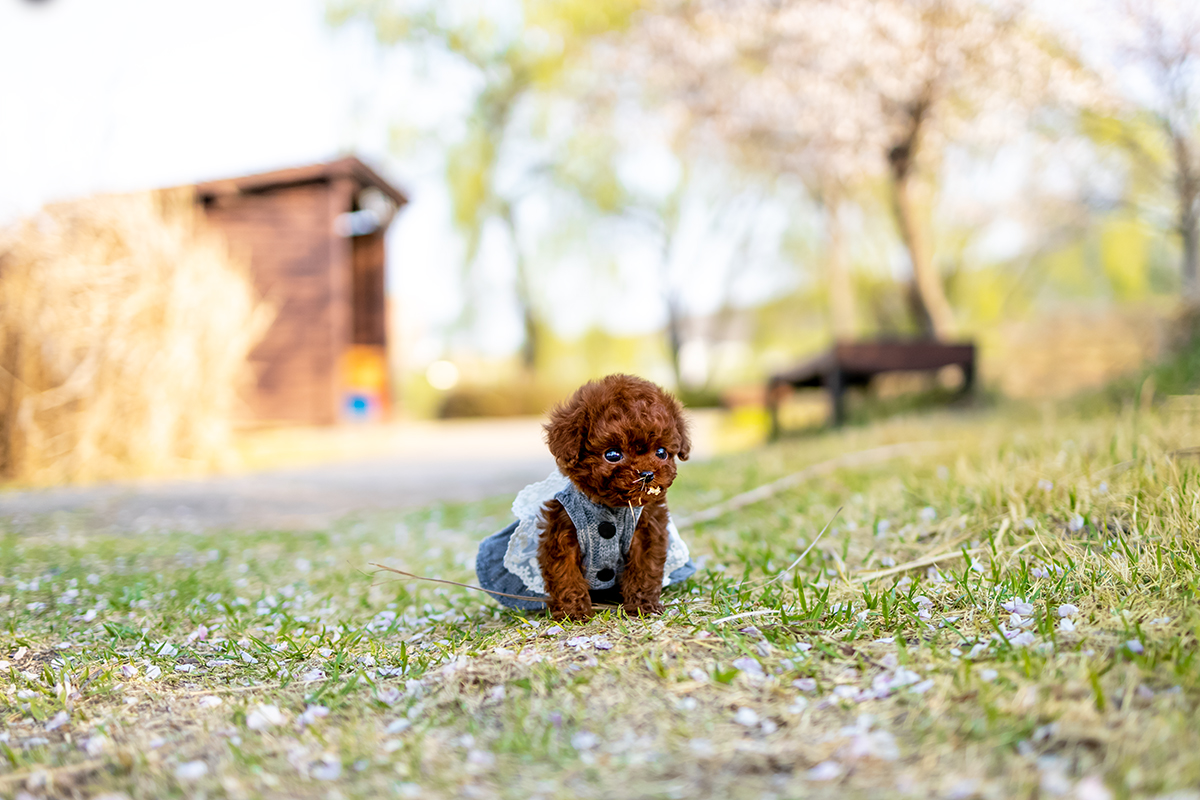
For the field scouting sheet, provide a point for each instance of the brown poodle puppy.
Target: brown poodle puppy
(617, 440)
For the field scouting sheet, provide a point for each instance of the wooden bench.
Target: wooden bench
(856, 363)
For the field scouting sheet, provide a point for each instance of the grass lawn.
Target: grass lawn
(1012, 613)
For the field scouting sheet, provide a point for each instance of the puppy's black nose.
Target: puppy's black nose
(646, 476)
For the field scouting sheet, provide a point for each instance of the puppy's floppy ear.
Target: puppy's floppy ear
(681, 425)
(567, 430)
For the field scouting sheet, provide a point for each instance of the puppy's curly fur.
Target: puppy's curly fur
(617, 439)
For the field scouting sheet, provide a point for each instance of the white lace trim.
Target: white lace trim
(677, 551)
(521, 556)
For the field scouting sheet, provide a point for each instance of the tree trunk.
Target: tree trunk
(531, 344)
(841, 291)
(927, 294)
(1188, 189)
(675, 337)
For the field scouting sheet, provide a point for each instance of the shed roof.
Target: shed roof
(348, 167)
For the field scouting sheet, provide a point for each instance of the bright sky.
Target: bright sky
(131, 94)
(135, 94)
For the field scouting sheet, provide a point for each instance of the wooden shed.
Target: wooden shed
(314, 238)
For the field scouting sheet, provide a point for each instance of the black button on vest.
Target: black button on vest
(607, 530)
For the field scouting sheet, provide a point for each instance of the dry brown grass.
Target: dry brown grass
(124, 330)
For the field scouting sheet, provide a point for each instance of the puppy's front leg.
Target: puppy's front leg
(641, 583)
(561, 561)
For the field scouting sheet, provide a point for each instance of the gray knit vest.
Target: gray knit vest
(604, 533)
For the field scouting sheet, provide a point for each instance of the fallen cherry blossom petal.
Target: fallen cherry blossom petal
(327, 770)
(825, 771)
(746, 716)
(191, 771)
(584, 740)
(749, 666)
(265, 717)
(1092, 788)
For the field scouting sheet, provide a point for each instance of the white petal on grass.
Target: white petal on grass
(95, 745)
(1067, 610)
(312, 714)
(210, 701)
(750, 666)
(988, 675)
(154, 672)
(584, 740)
(1066, 625)
(1134, 646)
(1017, 605)
(389, 696)
(191, 771)
(746, 716)
(327, 770)
(601, 644)
(265, 717)
(1092, 788)
(59, 719)
(797, 707)
(398, 726)
(922, 687)
(963, 789)
(873, 744)
(825, 771)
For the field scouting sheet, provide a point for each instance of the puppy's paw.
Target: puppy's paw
(578, 610)
(644, 607)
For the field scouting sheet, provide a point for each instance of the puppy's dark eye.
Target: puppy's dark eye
(612, 455)
(661, 453)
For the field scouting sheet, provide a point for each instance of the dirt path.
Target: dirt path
(337, 472)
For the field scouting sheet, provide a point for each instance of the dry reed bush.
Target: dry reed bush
(124, 331)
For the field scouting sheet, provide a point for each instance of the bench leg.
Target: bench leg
(836, 383)
(968, 377)
(774, 398)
